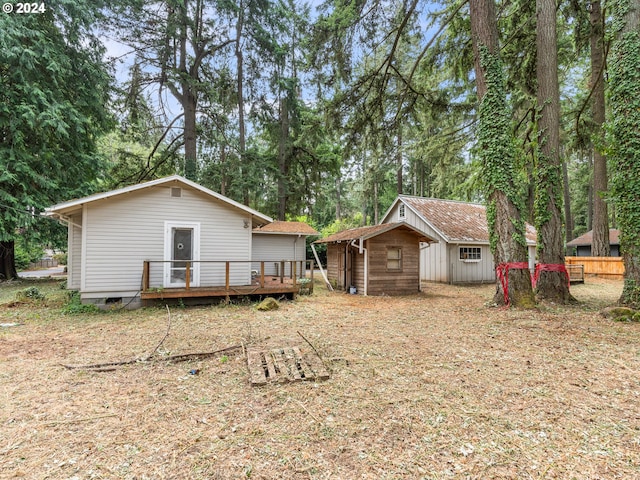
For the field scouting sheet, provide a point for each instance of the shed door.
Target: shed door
(182, 249)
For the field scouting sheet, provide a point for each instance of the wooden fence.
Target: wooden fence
(607, 267)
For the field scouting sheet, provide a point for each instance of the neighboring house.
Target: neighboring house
(279, 241)
(170, 223)
(376, 260)
(462, 254)
(582, 244)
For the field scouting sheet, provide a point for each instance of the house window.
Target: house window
(401, 213)
(394, 258)
(470, 254)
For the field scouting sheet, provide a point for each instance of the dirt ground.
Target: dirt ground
(436, 386)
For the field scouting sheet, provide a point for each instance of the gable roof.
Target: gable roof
(71, 205)
(286, 228)
(453, 220)
(587, 239)
(365, 233)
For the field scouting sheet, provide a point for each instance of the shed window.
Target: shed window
(401, 212)
(470, 254)
(394, 258)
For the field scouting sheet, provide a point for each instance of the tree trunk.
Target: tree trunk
(7, 261)
(240, 87)
(552, 283)
(600, 246)
(399, 162)
(504, 216)
(568, 219)
(283, 161)
(624, 81)
(189, 105)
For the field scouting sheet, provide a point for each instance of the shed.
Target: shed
(376, 260)
(279, 241)
(582, 244)
(462, 254)
(187, 236)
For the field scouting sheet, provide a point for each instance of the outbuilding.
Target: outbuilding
(376, 260)
(462, 253)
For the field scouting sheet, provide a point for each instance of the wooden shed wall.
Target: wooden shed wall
(434, 258)
(387, 282)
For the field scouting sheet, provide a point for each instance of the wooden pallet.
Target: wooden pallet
(284, 365)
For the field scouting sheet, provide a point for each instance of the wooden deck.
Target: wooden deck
(241, 290)
(261, 285)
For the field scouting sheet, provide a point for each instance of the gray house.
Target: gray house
(462, 253)
(166, 234)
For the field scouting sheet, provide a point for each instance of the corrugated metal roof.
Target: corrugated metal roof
(587, 239)
(456, 221)
(365, 233)
(291, 228)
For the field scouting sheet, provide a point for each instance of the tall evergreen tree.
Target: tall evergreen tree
(624, 82)
(53, 91)
(552, 283)
(496, 150)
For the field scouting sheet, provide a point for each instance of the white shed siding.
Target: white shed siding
(74, 254)
(435, 263)
(124, 231)
(273, 248)
(472, 271)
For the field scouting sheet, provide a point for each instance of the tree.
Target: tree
(497, 153)
(600, 245)
(551, 273)
(624, 83)
(175, 43)
(53, 91)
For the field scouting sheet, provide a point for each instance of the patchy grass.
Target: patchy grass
(431, 386)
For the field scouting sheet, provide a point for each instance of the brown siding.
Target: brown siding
(385, 282)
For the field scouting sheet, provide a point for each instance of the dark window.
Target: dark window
(394, 258)
(470, 253)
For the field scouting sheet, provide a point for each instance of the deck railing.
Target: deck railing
(297, 270)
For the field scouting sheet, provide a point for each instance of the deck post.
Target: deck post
(282, 271)
(226, 276)
(261, 274)
(311, 266)
(294, 266)
(187, 276)
(145, 275)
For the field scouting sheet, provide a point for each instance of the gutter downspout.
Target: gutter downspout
(361, 250)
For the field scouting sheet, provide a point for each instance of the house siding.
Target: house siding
(471, 271)
(273, 248)
(122, 232)
(74, 254)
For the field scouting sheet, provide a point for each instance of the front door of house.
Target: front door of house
(182, 253)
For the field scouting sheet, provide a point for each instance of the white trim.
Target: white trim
(169, 225)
